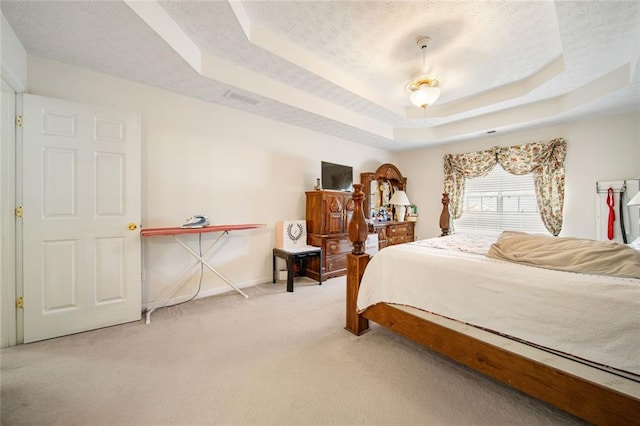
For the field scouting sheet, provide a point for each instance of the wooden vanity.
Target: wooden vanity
(379, 187)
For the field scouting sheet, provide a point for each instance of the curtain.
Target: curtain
(545, 160)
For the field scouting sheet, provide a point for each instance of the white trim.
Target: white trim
(18, 224)
(7, 222)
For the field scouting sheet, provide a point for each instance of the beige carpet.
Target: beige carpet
(275, 358)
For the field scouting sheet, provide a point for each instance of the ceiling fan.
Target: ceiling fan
(423, 90)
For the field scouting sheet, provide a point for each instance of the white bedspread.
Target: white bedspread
(595, 318)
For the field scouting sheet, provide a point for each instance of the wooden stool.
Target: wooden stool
(292, 257)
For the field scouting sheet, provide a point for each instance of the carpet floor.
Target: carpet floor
(276, 358)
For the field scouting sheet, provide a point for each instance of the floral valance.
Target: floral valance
(545, 160)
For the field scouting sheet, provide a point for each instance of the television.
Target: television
(337, 177)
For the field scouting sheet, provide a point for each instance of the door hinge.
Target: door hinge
(19, 303)
(19, 120)
(19, 211)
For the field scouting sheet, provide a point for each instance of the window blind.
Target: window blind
(500, 201)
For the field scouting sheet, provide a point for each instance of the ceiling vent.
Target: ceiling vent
(242, 98)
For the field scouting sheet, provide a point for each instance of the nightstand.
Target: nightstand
(296, 258)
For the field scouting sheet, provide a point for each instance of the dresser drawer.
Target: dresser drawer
(400, 239)
(336, 263)
(335, 246)
(396, 230)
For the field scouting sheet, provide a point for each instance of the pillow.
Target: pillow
(568, 254)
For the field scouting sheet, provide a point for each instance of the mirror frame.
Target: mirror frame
(385, 173)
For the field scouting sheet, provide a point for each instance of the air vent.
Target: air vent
(242, 98)
(491, 131)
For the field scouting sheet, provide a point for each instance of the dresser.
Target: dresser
(392, 233)
(328, 214)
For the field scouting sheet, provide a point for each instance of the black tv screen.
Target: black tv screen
(337, 177)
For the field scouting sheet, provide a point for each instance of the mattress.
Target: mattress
(595, 319)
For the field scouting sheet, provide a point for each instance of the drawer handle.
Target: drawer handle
(333, 247)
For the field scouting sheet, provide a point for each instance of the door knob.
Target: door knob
(132, 226)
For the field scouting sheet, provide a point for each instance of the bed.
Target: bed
(600, 386)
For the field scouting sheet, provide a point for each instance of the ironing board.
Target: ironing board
(175, 232)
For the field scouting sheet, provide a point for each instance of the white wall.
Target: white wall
(13, 57)
(201, 158)
(606, 148)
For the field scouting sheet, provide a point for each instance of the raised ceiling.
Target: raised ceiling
(341, 67)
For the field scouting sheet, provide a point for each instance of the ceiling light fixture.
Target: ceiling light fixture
(424, 90)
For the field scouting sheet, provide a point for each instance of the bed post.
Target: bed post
(444, 216)
(356, 263)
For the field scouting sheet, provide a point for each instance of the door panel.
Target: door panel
(81, 185)
(109, 184)
(110, 279)
(59, 278)
(335, 215)
(60, 182)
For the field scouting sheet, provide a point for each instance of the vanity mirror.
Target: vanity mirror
(379, 188)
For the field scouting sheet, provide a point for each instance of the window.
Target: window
(500, 201)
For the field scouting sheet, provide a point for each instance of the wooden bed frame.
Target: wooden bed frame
(584, 398)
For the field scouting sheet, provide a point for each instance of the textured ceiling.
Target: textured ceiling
(341, 67)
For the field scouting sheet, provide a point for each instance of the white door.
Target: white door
(81, 196)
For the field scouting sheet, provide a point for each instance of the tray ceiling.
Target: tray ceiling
(341, 67)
